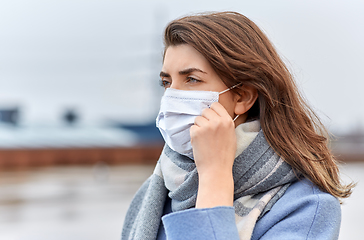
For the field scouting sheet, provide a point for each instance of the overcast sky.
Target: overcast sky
(103, 57)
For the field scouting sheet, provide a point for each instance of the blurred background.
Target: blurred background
(79, 94)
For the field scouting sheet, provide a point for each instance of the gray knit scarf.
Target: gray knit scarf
(260, 178)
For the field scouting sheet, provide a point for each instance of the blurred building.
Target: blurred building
(9, 115)
(349, 147)
(71, 143)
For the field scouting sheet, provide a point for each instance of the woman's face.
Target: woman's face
(184, 68)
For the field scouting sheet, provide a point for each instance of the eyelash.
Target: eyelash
(163, 83)
(191, 79)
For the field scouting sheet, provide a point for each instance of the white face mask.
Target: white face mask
(177, 114)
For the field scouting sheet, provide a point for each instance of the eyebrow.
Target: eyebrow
(182, 72)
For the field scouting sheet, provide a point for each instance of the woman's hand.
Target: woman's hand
(213, 141)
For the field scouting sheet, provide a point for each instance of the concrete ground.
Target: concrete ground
(89, 203)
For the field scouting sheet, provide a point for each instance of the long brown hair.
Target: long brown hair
(240, 52)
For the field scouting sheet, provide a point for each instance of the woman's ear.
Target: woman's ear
(247, 98)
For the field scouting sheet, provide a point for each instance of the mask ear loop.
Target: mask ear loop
(236, 117)
(230, 88)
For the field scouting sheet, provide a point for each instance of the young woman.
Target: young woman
(245, 157)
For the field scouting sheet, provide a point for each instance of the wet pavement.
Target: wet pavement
(89, 203)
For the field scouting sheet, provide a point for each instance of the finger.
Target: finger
(220, 110)
(209, 114)
(194, 132)
(200, 121)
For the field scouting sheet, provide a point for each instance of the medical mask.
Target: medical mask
(177, 114)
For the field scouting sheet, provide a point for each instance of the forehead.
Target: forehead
(184, 56)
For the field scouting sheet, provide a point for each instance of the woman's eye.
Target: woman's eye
(164, 83)
(193, 80)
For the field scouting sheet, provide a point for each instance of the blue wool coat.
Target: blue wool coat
(303, 212)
